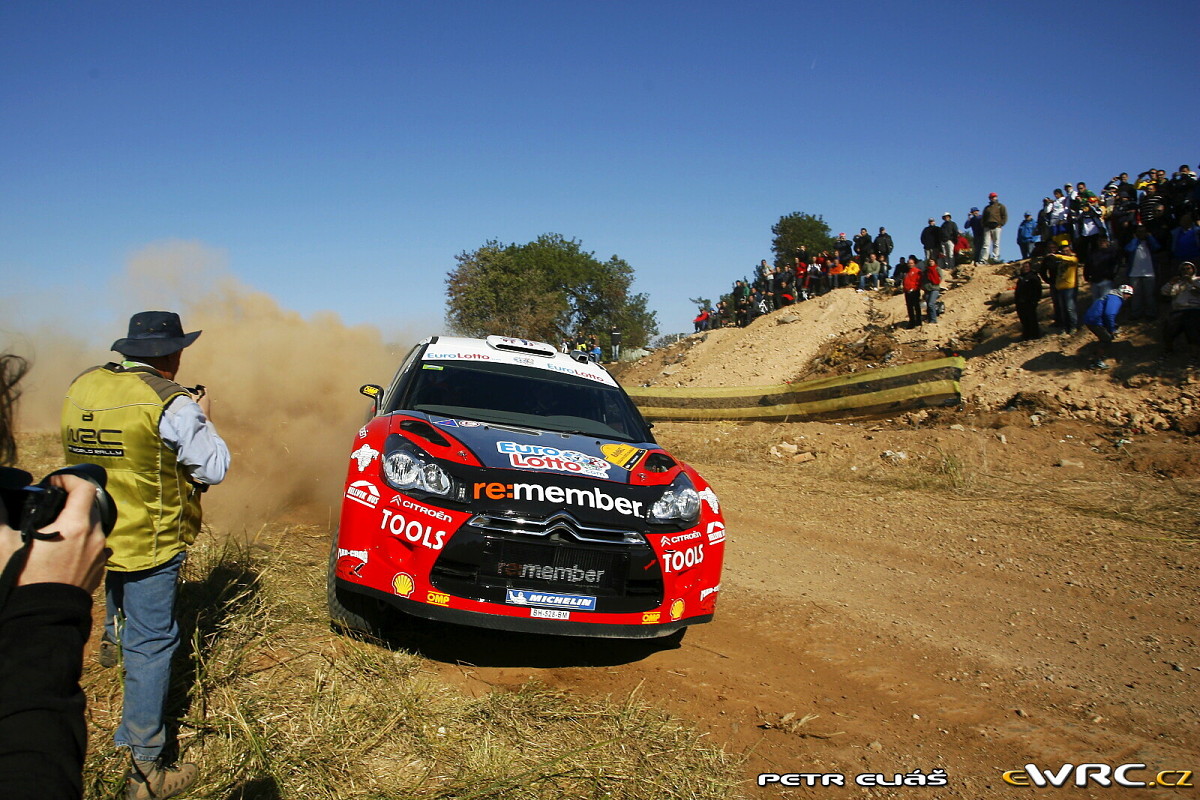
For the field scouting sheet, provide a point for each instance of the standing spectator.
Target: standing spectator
(1056, 213)
(1184, 316)
(1101, 320)
(1064, 266)
(1100, 268)
(931, 285)
(1185, 240)
(974, 224)
(1027, 235)
(843, 248)
(1028, 293)
(170, 454)
(614, 339)
(1141, 250)
(912, 292)
(931, 239)
(883, 246)
(1089, 227)
(995, 217)
(949, 237)
(864, 245)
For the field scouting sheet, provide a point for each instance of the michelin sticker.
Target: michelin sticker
(536, 456)
(710, 497)
(520, 597)
(364, 456)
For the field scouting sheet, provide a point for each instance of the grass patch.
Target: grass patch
(272, 705)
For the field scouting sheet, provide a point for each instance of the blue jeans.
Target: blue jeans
(865, 277)
(1070, 311)
(931, 298)
(144, 601)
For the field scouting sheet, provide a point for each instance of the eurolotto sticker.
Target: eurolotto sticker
(536, 456)
(364, 455)
(363, 492)
(623, 455)
(579, 602)
(549, 613)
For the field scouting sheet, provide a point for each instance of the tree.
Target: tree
(548, 289)
(798, 229)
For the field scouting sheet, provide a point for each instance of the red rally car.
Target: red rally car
(503, 484)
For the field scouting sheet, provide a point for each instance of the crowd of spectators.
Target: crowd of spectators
(1141, 235)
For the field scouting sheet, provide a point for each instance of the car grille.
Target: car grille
(560, 525)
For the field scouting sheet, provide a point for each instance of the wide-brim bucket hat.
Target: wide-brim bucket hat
(153, 334)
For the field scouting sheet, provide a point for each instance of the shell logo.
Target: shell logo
(403, 584)
(676, 610)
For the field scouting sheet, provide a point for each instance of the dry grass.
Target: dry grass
(271, 704)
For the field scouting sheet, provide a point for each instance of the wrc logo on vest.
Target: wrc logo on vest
(93, 442)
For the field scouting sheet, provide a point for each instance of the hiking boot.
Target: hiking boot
(110, 653)
(150, 780)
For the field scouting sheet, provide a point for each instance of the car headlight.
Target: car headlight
(408, 468)
(679, 503)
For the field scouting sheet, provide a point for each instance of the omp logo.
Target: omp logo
(536, 456)
(95, 442)
(651, 617)
(679, 560)
(519, 597)
(363, 492)
(437, 598)
(364, 455)
(559, 495)
(716, 532)
(1099, 774)
(403, 584)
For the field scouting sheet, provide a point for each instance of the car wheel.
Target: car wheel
(351, 612)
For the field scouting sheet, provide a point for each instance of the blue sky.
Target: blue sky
(338, 155)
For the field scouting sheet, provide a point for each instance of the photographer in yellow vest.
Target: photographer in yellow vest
(161, 451)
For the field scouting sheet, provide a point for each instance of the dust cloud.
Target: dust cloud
(284, 388)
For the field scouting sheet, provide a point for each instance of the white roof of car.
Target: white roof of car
(509, 350)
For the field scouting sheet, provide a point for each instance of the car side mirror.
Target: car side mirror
(372, 391)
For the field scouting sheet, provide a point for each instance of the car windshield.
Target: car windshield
(524, 396)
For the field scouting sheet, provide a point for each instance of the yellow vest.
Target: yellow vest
(110, 417)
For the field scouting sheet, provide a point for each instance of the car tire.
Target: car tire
(351, 612)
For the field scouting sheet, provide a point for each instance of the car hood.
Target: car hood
(551, 452)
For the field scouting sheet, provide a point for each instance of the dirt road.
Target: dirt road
(974, 614)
